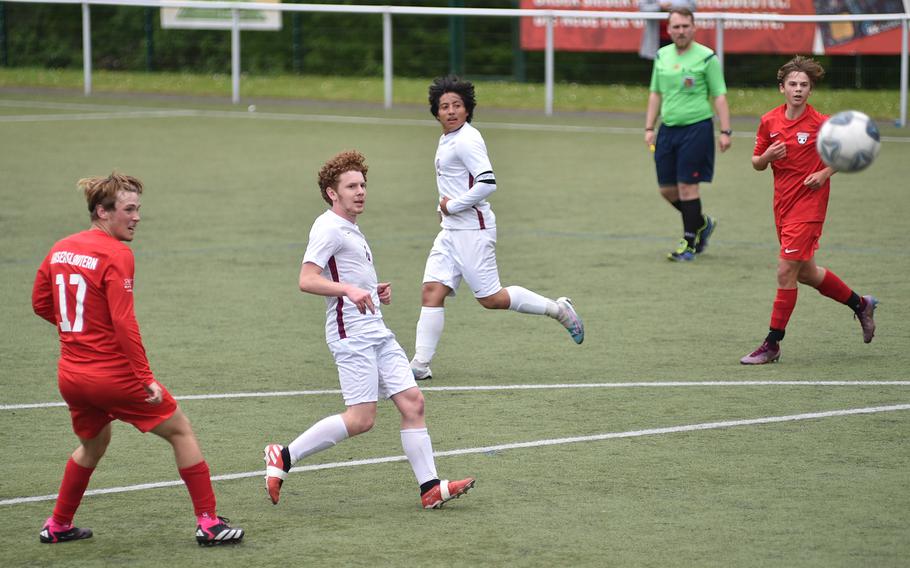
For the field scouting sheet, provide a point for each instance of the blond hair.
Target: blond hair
(329, 174)
(103, 190)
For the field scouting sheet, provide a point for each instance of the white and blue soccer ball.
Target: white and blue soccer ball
(848, 141)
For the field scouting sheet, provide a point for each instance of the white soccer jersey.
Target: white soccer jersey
(338, 246)
(460, 158)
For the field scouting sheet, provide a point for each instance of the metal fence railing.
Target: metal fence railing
(387, 12)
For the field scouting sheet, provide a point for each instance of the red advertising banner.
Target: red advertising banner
(595, 34)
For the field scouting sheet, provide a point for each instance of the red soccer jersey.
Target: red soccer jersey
(793, 201)
(85, 287)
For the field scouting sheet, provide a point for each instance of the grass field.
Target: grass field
(883, 105)
(648, 445)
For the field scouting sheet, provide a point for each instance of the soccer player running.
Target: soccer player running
(465, 248)
(85, 288)
(338, 264)
(786, 140)
(685, 75)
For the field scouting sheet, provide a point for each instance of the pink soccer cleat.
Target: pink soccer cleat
(54, 532)
(213, 531)
(766, 353)
(866, 317)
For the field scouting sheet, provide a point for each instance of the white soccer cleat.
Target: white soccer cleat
(568, 317)
(421, 370)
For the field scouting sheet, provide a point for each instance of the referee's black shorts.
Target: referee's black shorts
(685, 154)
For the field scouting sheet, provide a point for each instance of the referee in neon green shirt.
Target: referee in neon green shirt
(685, 77)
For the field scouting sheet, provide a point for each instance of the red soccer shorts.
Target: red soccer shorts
(799, 241)
(96, 401)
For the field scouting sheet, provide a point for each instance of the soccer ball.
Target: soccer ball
(848, 141)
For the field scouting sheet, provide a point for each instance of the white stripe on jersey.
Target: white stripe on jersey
(338, 246)
(460, 157)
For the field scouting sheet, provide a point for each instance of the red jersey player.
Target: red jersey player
(85, 288)
(786, 141)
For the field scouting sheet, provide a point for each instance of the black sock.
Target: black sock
(775, 336)
(692, 219)
(676, 205)
(424, 487)
(286, 459)
(855, 302)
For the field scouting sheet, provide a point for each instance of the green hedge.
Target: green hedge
(129, 38)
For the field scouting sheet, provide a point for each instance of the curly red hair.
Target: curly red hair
(329, 174)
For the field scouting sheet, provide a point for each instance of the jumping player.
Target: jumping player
(786, 140)
(338, 264)
(465, 248)
(85, 288)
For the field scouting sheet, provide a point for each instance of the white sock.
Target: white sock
(419, 449)
(528, 302)
(429, 330)
(320, 436)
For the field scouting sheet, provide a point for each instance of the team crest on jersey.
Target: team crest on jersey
(128, 284)
(688, 81)
(802, 137)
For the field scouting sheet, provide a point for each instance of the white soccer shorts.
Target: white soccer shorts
(371, 365)
(468, 255)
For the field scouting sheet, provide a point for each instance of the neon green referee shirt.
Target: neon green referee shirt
(685, 82)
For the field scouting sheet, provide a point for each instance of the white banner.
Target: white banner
(207, 19)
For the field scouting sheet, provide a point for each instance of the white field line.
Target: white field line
(59, 105)
(503, 447)
(98, 116)
(666, 384)
(121, 112)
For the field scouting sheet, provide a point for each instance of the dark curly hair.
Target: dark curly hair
(329, 174)
(452, 84)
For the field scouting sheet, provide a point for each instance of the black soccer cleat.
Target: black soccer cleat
(53, 533)
(704, 233)
(217, 531)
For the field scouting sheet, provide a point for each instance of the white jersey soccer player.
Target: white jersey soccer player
(464, 175)
(465, 248)
(338, 264)
(338, 245)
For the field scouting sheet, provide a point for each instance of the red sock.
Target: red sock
(783, 307)
(834, 288)
(72, 488)
(199, 484)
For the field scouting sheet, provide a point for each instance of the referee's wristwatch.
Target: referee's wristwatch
(727, 132)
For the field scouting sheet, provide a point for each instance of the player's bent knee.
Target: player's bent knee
(177, 425)
(498, 301)
(433, 294)
(811, 275)
(361, 425)
(414, 408)
(358, 420)
(788, 273)
(688, 191)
